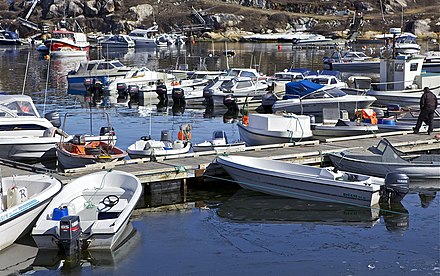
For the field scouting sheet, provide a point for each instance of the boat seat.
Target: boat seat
(103, 192)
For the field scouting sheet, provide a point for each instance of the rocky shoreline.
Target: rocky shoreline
(232, 19)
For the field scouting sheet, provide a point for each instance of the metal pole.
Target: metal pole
(25, 73)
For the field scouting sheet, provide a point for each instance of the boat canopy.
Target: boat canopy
(301, 88)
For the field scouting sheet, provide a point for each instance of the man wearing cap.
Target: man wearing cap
(428, 104)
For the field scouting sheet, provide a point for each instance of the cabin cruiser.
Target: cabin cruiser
(402, 81)
(351, 61)
(145, 37)
(117, 41)
(101, 70)
(310, 39)
(306, 97)
(65, 38)
(327, 80)
(24, 135)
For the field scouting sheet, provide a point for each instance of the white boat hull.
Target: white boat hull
(17, 219)
(219, 148)
(83, 197)
(297, 181)
(137, 150)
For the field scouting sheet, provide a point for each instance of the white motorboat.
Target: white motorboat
(22, 199)
(263, 129)
(101, 70)
(147, 147)
(145, 37)
(327, 80)
(311, 183)
(384, 158)
(219, 143)
(343, 128)
(215, 92)
(65, 38)
(351, 61)
(402, 81)
(118, 41)
(306, 97)
(91, 212)
(240, 90)
(310, 39)
(279, 79)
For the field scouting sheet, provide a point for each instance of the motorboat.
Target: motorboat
(100, 70)
(147, 147)
(402, 81)
(117, 41)
(351, 61)
(136, 81)
(67, 52)
(240, 90)
(310, 39)
(241, 206)
(384, 158)
(219, 143)
(215, 92)
(91, 212)
(64, 38)
(22, 199)
(326, 80)
(263, 129)
(311, 183)
(279, 79)
(406, 43)
(343, 128)
(78, 153)
(9, 38)
(306, 97)
(20, 117)
(25, 136)
(145, 37)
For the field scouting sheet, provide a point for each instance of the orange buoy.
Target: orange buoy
(245, 120)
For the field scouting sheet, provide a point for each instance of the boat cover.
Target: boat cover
(301, 88)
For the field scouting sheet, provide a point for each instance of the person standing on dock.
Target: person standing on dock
(428, 104)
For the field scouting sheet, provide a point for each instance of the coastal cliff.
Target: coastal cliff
(230, 17)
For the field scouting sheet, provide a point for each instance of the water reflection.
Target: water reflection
(250, 206)
(395, 216)
(55, 260)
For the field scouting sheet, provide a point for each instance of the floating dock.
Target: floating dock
(180, 168)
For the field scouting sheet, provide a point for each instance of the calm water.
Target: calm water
(237, 232)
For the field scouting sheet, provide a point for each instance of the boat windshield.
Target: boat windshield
(218, 134)
(117, 63)
(323, 94)
(19, 108)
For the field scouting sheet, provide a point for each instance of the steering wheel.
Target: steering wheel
(110, 201)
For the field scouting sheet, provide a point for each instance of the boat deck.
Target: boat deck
(198, 164)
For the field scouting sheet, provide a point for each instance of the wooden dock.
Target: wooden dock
(196, 165)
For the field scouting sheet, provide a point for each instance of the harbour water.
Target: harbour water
(225, 230)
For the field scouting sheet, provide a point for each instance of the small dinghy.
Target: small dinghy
(219, 143)
(91, 212)
(79, 153)
(147, 147)
(384, 158)
(312, 183)
(22, 199)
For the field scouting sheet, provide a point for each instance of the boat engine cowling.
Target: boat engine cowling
(110, 131)
(70, 231)
(396, 186)
(133, 91)
(177, 94)
(122, 91)
(54, 118)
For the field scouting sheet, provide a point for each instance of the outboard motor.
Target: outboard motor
(178, 94)
(70, 232)
(230, 102)
(165, 137)
(396, 186)
(133, 91)
(267, 102)
(207, 94)
(161, 91)
(122, 91)
(54, 118)
(110, 131)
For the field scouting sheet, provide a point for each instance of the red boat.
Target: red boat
(67, 39)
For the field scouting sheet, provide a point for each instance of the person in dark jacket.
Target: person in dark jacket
(428, 104)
